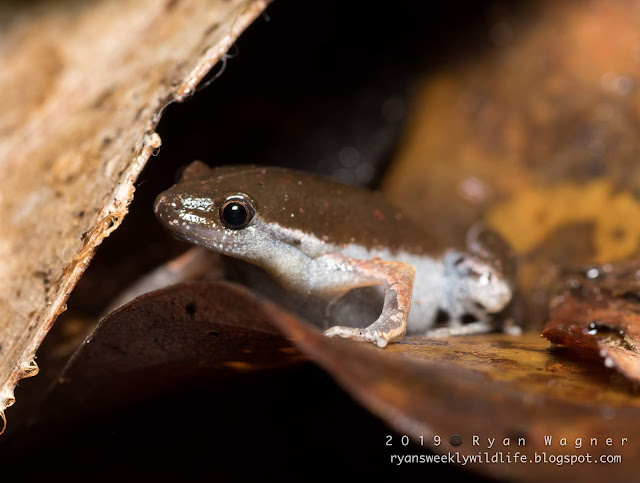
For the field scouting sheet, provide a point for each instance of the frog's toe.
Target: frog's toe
(360, 335)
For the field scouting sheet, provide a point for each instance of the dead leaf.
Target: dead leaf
(511, 390)
(160, 341)
(489, 387)
(600, 312)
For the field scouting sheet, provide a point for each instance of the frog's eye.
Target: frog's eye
(236, 213)
(484, 278)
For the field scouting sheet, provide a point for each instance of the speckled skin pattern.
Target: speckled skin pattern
(314, 235)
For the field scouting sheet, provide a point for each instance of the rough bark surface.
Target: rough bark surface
(82, 87)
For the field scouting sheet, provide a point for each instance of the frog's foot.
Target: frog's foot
(397, 278)
(379, 338)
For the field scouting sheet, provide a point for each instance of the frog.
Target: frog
(316, 236)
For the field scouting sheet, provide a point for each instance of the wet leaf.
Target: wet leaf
(513, 391)
(491, 387)
(600, 312)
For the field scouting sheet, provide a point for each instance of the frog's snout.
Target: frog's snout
(167, 208)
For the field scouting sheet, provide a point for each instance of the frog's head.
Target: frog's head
(240, 211)
(485, 274)
(204, 210)
(479, 281)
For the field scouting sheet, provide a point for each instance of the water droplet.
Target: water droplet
(593, 273)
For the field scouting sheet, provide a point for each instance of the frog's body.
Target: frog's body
(316, 236)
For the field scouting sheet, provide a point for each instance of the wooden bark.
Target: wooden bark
(82, 87)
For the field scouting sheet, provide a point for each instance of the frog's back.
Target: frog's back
(314, 204)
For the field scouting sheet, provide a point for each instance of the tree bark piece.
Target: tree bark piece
(82, 88)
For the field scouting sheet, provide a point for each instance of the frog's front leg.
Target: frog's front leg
(337, 274)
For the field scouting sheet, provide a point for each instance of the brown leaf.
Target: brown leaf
(165, 340)
(490, 386)
(600, 312)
